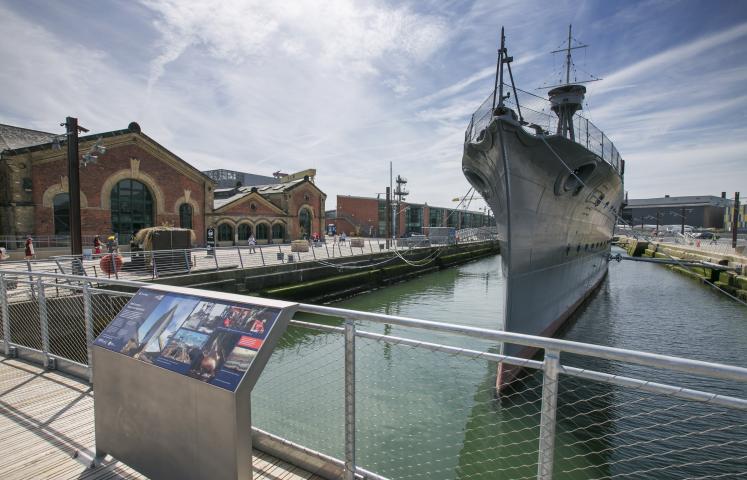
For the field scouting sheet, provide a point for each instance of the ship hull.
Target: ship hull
(555, 231)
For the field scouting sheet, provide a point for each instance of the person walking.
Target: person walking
(30, 252)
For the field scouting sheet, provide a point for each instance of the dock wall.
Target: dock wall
(734, 283)
(316, 281)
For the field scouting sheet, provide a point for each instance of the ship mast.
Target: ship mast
(568, 58)
(567, 98)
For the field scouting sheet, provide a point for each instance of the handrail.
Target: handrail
(587, 135)
(698, 367)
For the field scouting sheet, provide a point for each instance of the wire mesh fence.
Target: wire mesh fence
(428, 402)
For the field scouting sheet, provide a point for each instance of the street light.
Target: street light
(73, 174)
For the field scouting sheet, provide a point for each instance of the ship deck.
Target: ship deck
(46, 417)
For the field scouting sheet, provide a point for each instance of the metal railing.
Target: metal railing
(18, 242)
(409, 398)
(154, 264)
(535, 111)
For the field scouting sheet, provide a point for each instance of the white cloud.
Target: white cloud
(351, 36)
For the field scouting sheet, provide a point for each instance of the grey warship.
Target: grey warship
(555, 184)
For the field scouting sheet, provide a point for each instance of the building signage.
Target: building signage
(209, 340)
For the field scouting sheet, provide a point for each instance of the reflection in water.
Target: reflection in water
(430, 415)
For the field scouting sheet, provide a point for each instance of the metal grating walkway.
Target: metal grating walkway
(45, 417)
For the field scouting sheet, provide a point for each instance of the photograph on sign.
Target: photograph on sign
(208, 340)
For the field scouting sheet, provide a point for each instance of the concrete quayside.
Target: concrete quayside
(725, 269)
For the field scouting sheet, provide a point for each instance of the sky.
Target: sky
(346, 86)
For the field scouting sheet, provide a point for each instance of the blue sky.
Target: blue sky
(345, 86)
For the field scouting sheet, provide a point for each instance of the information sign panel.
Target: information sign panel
(207, 339)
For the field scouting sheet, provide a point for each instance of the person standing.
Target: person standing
(252, 242)
(30, 252)
(111, 244)
(96, 245)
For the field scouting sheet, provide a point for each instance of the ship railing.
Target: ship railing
(410, 398)
(153, 264)
(536, 112)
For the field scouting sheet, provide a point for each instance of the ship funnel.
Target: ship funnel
(566, 101)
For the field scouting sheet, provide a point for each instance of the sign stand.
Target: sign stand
(210, 236)
(173, 380)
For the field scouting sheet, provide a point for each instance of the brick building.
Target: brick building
(367, 216)
(275, 213)
(139, 183)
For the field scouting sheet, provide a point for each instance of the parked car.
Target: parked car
(704, 235)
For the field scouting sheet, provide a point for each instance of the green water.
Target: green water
(421, 414)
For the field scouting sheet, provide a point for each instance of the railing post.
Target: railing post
(215, 257)
(88, 319)
(547, 418)
(5, 312)
(31, 278)
(262, 256)
(82, 270)
(187, 261)
(241, 261)
(114, 265)
(44, 323)
(349, 473)
(326, 247)
(312, 246)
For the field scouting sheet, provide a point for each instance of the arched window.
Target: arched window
(304, 223)
(61, 204)
(244, 231)
(261, 230)
(225, 233)
(132, 207)
(185, 215)
(278, 231)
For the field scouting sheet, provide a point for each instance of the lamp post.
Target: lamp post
(73, 177)
(735, 221)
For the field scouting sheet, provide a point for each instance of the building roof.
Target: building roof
(133, 127)
(16, 137)
(228, 178)
(688, 201)
(224, 196)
